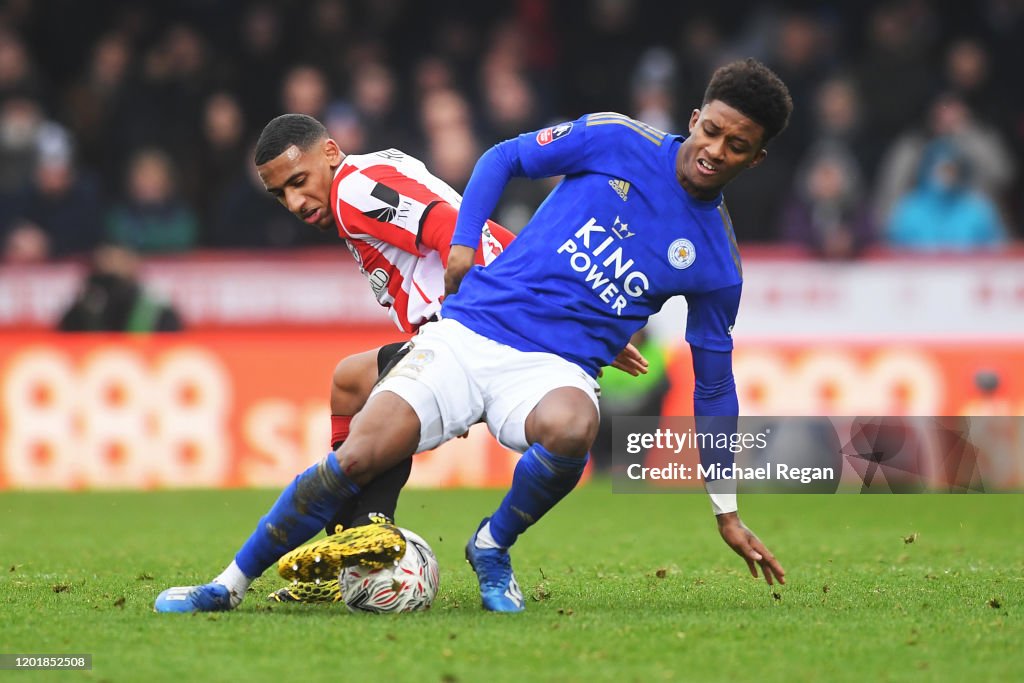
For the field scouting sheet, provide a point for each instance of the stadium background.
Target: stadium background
(133, 123)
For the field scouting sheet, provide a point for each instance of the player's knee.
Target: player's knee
(572, 440)
(350, 385)
(383, 434)
(564, 425)
(358, 460)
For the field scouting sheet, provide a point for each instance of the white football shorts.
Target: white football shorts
(452, 377)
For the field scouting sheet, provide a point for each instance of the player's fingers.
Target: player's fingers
(770, 566)
(755, 558)
(636, 355)
(751, 553)
(751, 556)
(760, 548)
(776, 569)
(632, 361)
(625, 366)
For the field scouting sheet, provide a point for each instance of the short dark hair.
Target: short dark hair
(284, 131)
(755, 90)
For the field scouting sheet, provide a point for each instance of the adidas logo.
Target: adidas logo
(621, 188)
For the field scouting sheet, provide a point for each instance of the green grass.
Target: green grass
(623, 588)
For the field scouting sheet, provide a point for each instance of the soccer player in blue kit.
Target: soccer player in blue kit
(639, 218)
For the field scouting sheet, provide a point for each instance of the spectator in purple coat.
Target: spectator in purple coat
(827, 211)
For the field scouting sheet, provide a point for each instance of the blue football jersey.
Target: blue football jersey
(609, 246)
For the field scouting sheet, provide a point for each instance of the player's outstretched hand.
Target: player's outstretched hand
(631, 361)
(750, 548)
(460, 260)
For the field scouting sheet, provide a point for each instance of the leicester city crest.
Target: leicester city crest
(681, 253)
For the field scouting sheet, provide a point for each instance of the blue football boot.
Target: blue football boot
(499, 590)
(210, 597)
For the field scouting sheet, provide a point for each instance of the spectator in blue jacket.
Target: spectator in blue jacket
(943, 213)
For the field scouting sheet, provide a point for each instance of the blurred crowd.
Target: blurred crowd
(133, 122)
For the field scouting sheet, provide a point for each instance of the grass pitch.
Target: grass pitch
(623, 588)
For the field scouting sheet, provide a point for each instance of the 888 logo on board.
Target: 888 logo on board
(114, 418)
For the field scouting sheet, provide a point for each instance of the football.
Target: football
(409, 586)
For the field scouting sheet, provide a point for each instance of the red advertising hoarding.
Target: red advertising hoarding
(238, 409)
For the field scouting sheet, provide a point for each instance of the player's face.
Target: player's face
(301, 181)
(722, 143)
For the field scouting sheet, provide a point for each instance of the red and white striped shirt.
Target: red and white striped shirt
(397, 220)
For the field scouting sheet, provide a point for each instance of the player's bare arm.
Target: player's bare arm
(460, 260)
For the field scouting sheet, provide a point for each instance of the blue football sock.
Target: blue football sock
(541, 479)
(299, 513)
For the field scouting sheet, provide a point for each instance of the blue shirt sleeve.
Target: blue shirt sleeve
(715, 403)
(557, 150)
(714, 388)
(711, 317)
(491, 174)
(564, 149)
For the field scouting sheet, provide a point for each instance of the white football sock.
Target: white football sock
(236, 581)
(484, 538)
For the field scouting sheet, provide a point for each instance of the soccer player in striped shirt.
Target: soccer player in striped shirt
(639, 218)
(397, 220)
